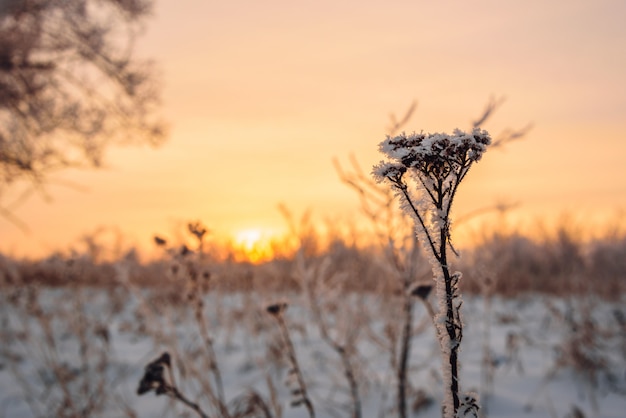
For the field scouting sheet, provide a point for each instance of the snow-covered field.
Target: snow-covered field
(85, 350)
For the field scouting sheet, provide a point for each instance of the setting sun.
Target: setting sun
(254, 245)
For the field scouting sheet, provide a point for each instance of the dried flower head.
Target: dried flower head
(277, 308)
(422, 291)
(433, 155)
(161, 242)
(197, 229)
(185, 251)
(153, 377)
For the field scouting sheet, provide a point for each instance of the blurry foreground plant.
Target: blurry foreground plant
(436, 164)
(295, 379)
(155, 378)
(56, 349)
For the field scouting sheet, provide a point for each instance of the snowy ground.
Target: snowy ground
(65, 349)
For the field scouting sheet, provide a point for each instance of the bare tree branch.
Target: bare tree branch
(71, 87)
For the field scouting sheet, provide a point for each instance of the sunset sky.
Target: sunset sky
(261, 96)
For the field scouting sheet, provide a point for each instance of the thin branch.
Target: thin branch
(510, 135)
(12, 218)
(492, 105)
(397, 124)
(175, 393)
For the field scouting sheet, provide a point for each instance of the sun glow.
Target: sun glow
(253, 245)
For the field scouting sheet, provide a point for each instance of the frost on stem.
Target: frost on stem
(437, 163)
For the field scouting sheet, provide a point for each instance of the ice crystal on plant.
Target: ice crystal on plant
(435, 155)
(388, 170)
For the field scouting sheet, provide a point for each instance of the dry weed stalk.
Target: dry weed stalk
(326, 282)
(402, 260)
(294, 379)
(325, 294)
(189, 265)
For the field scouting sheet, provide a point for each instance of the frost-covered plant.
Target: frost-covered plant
(437, 163)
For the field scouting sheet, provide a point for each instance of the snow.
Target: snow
(527, 338)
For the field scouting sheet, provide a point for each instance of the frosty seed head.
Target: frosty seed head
(387, 170)
(433, 155)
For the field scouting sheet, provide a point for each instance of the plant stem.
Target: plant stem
(175, 393)
(342, 349)
(291, 352)
(405, 348)
(452, 324)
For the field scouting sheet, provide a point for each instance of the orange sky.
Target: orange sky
(261, 96)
